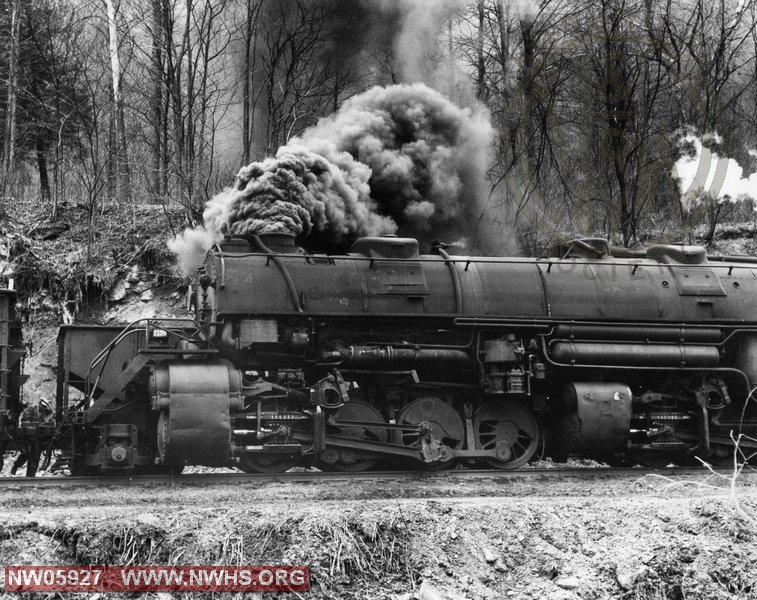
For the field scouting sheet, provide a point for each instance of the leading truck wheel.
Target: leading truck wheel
(266, 463)
(508, 428)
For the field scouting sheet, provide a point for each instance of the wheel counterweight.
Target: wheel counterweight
(509, 428)
(446, 425)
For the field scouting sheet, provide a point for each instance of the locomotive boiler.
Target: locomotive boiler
(386, 356)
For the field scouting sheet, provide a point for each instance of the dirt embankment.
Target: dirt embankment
(633, 539)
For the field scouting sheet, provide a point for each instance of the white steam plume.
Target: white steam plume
(422, 42)
(419, 47)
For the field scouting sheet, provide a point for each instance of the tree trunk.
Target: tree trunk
(119, 147)
(165, 156)
(189, 136)
(9, 159)
(247, 85)
(111, 170)
(156, 107)
(165, 149)
(175, 71)
(713, 213)
(480, 63)
(526, 28)
(44, 182)
(123, 154)
(57, 181)
(503, 20)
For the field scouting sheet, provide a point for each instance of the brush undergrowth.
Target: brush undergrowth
(340, 550)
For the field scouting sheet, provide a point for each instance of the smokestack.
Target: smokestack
(280, 243)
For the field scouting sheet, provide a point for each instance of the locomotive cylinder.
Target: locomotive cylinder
(636, 355)
(195, 402)
(600, 417)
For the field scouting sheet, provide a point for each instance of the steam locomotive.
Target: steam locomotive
(383, 356)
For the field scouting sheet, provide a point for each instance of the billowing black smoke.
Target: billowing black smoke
(297, 192)
(401, 159)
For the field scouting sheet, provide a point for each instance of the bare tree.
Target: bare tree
(296, 78)
(189, 65)
(118, 169)
(158, 122)
(252, 12)
(9, 160)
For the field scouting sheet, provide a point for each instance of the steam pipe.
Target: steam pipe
(287, 277)
(543, 280)
(223, 265)
(635, 354)
(455, 279)
(387, 355)
(637, 333)
(720, 370)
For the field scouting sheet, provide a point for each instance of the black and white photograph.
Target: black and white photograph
(378, 299)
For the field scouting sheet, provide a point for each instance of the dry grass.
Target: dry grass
(741, 461)
(340, 550)
(120, 545)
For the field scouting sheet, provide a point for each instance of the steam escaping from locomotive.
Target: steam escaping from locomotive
(400, 159)
(421, 42)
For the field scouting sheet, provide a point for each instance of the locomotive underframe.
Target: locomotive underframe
(352, 361)
(423, 394)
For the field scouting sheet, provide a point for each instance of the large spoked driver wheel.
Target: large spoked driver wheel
(447, 427)
(510, 429)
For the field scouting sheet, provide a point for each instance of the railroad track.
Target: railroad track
(203, 479)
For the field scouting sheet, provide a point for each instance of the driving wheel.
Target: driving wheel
(508, 428)
(447, 427)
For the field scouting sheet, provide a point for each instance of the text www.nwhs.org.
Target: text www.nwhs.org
(156, 579)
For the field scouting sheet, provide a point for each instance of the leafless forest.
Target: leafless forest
(133, 102)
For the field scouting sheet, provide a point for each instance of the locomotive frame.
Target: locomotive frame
(384, 354)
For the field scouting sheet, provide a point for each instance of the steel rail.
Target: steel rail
(195, 479)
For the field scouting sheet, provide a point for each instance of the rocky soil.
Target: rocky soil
(634, 538)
